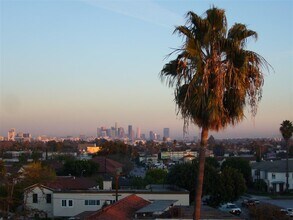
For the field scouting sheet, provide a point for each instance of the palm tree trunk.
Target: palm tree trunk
(198, 192)
(287, 165)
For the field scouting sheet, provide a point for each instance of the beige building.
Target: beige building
(67, 203)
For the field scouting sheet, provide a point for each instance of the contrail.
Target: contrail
(148, 11)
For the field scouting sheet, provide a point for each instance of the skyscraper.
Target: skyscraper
(130, 133)
(153, 136)
(166, 133)
(116, 129)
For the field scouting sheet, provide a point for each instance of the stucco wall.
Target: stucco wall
(41, 203)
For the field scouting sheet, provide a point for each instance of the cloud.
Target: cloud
(144, 10)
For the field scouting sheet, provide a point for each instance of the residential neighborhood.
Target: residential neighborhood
(92, 180)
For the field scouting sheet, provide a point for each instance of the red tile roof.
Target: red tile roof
(111, 165)
(124, 209)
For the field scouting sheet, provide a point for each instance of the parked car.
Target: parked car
(256, 201)
(231, 208)
(250, 202)
(288, 212)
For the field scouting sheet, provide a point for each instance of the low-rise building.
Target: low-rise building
(56, 200)
(273, 173)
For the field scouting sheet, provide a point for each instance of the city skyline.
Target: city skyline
(68, 67)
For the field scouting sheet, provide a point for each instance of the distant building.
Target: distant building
(166, 133)
(153, 136)
(27, 136)
(130, 132)
(88, 148)
(11, 134)
(116, 130)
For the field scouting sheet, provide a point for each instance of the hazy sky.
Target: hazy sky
(68, 67)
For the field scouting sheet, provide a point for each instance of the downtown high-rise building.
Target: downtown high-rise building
(116, 129)
(166, 133)
(130, 132)
(153, 136)
(138, 135)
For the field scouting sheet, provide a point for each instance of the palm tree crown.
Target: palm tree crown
(213, 75)
(286, 129)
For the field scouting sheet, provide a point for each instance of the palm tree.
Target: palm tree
(214, 77)
(286, 130)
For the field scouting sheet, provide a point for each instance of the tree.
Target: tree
(286, 130)
(233, 184)
(155, 176)
(183, 175)
(241, 165)
(221, 187)
(36, 173)
(80, 167)
(214, 77)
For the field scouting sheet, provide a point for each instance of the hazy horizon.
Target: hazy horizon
(68, 67)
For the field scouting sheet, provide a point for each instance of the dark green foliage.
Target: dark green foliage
(54, 146)
(212, 162)
(183, 175)
(260, 185)
(138, 182)
(80, 168)
(114, 147)
(241, 165)
(286, 129)
(224, 186)
(156, 176)
(233, 184)
(36, 155)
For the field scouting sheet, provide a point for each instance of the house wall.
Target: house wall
(78, 200)
(278, 176)
(41, 204)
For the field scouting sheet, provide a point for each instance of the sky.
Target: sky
(70, 66)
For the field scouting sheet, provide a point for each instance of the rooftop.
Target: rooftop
(273, 166)
(157, 206)
(122, 210)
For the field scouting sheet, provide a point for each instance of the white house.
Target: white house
(55, 202)
(273, 173)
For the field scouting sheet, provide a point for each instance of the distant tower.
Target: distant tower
(153, 136)
(11, 134)
(116, 129)
(130, 133)
(166, 133)
(138, 133)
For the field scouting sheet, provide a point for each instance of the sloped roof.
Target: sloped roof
(273, 166)
(157, 206)
(111, 165)
(71, 183)
(124, 209)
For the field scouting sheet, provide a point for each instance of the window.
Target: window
(49, 198)
(111, 201)
(273, 176)
(67, 203)
(35, 198)
(63, 202)
(91, 202)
